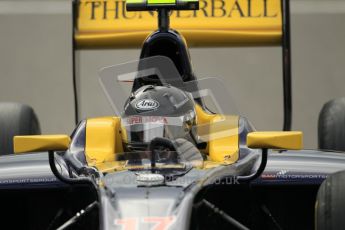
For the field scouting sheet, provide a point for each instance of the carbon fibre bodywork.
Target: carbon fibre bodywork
(174, 204)
(301, 167)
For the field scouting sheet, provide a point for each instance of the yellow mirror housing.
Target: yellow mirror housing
(37, 143)
(275, 140)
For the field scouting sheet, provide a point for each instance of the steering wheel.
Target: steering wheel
(160, 145)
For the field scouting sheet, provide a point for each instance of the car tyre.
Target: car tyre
(331, 128)
(16, 119)
(330, 204)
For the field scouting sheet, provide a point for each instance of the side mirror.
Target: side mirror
(275, 140)
(37, 143)
(50, 143)
(271, 140)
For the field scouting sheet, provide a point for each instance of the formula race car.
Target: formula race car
(174, 155)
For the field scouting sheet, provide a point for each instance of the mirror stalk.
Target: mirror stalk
(57, 174)
(259, 171)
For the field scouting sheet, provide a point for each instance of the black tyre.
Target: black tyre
(16, 119)
(330, 205)
(331, 129)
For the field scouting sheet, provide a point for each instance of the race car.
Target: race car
(172, 157)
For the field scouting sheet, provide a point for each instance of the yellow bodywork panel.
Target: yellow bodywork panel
(112, 166)
(103, 140)
(37, 143)
(222, 134)
(202, 116)
(223, 139)
(275, 140)
(107, 24)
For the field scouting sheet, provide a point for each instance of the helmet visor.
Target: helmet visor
(143, 129)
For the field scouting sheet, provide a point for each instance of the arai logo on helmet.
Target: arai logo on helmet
(147, 104)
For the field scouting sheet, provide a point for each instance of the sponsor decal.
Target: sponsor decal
(147, 104)
(133, 120)
(28, 180)
(116, 9)
(106, 23)
(282, 172)
(282, 175)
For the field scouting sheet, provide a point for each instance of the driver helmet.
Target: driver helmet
(157, 111)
